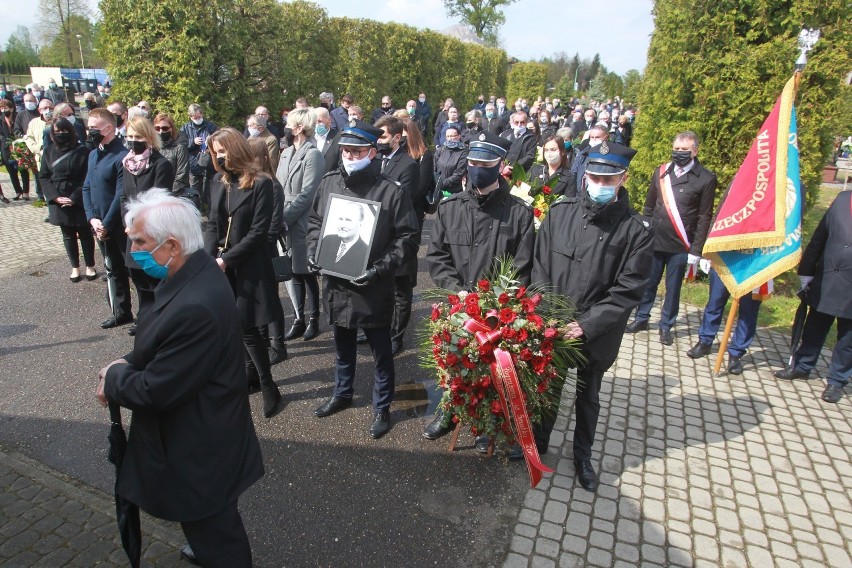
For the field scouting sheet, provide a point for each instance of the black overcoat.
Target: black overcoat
(405, 173)
(394, 240)
(828, 258)
(65, 180)
(599, 257)
(192, 447)
(158, 173)
(247, 258)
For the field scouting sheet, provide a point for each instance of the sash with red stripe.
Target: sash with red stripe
(667, 194)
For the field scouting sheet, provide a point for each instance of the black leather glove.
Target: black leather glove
(369, 276)
(313, 267)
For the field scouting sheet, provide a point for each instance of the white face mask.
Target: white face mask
(519, 130)
(352, 166)
(71, 119)
(594, 143)
(197, 121)
(552, 158)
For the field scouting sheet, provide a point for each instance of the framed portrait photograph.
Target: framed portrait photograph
(346, 238)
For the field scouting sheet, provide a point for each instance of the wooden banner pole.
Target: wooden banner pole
(723, 345)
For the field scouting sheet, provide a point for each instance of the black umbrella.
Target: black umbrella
(111, 293)
(127, 513)
(798, 324)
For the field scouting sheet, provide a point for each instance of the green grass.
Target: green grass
(777, 313)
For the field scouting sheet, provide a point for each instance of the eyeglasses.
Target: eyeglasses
(163, 128)
(356, 152)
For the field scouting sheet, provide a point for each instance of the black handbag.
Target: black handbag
(283, 265)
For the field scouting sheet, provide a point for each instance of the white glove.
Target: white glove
(704, 265)
(805, 280)
(692, 259)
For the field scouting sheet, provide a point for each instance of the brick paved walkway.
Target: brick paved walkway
(46, 519)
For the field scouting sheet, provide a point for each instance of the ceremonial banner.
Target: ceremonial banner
(758, 231)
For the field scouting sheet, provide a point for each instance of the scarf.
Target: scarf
(136, 163)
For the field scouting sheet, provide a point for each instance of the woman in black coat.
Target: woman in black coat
(556, 164)
(415, 145)
(451, 163)
(144, 168)
(237, 234)
(63, 171)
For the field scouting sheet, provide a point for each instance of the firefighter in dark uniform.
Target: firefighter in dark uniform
(476, 226)
(366, 301)
(594, 249)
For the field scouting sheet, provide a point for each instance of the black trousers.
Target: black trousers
(258, 368)
(305, 286)
(384, 374)
(14, 174)
(220, 540)
(144, 288)
(113, 250)
(403, 296)
(70, 236)
(587, 408)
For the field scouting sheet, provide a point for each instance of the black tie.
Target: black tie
(385, 163)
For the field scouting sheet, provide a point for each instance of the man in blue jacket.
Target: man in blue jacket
(101, 194)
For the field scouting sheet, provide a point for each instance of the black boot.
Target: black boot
(272, 403)
(312, 330)
(278, 351)
(297, 330)
(253, 379)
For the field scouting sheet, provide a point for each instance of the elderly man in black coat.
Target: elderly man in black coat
(826, 275)
(192, 446)
(594, 249)
(366, 301)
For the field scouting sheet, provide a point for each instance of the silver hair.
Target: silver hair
(566, 133)
(167, 216)
(304, 117)
(133, 112)
(259, 119)
(193, 108)
(688, 135)
(325, 95)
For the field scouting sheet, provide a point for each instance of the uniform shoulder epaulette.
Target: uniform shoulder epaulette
(521, 201)
(563, 199)
(641, 219)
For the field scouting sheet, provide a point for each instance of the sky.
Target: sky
(620, 32)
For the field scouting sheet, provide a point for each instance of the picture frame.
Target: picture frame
(346, 236)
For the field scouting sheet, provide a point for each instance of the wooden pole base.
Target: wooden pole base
(455, 438)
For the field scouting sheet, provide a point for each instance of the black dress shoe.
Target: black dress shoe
(187, 554)
(514, 452)
(440, 426)
(636, 325)
(112, 321)
(700, 350)
(332, 405)
(91, 277)
(312, 330)
(666, 337)
(75, 279)
(380, 425)
(482, 444)
(297, 330)
(586, 474)
(790, 374)
(272, 401)
(832, 393)
(131, 331)
(735, 367)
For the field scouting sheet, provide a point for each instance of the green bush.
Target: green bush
(526, 80)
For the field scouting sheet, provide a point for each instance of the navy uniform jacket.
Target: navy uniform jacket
(394, 241)
(467, 238)
(192, 447)
(828, 258)
(694, 193)
(104, 185)
(600, 258)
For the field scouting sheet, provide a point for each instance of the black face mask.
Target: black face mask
(91, 104)
(94, 138)
(384, 148)
(118, 120)
(137, 146)
(165, 137)
(63, 138)
(681, 158)
(7, 112)
(220, 161)
(481, 177)
(470, 124)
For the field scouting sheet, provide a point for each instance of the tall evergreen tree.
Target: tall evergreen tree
(717, 67)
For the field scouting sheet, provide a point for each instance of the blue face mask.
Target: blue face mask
(600, 193)
(145, 260)
(568, 145)
(321, 129)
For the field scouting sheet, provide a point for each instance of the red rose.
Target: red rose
(485, 382)
(546, 190)
(504, 298)
(535, 320)
(473, 311)
(452, 359)
(538, 363)
(445, 335)
(522, 335)
(436, 312)
(463, 342)
(526, 354)
(472, 298)
(551, 332)
(453, 299)
(455, 419)
(467, 363)
(536, 300)
(522, 291)
(537, 212)
(507, 315)
(542, 386)
(507, 332)
(496, 406)
(485, 348)
(484, 285)
(486, 358)
(455, 308)
(546, 347)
